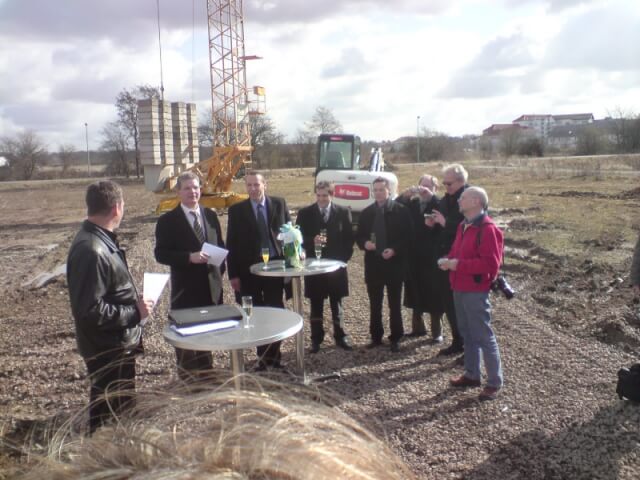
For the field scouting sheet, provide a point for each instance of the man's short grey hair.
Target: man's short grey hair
(479, 193)
(458, 170)
(185, 177)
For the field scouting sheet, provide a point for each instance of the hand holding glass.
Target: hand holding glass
(323, 237)
(265, 257)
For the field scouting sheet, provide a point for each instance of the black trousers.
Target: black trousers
(265, 292)
(316, 318)
(394, 297)
(191, 362)
(112, 376)
(450, 310)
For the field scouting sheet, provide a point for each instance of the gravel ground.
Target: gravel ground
(557, 417)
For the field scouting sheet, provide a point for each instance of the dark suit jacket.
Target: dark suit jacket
(192, 285)
(399, 231)
(243, 239)
(339, 247)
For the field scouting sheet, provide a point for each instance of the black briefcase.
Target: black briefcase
(186, 317)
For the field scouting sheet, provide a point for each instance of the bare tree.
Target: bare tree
(588, 141)
(323, 121)
(25, 151)
(66, 154)
(116, 141)
(127, 107)
(509, 140)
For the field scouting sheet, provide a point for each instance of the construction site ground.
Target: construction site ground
(570, 228)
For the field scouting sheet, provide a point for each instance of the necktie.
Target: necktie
(263, 231)
(325, 214)
(197, 228)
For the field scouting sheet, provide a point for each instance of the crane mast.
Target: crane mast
(229, 94)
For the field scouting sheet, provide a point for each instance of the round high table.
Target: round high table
(266, 325)
(310, 266)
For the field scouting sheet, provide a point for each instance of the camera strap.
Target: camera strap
(479, 239)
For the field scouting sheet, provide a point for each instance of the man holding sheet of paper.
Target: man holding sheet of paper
(189, 240)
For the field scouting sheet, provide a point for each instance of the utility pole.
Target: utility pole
(418, 139)
(86, 136)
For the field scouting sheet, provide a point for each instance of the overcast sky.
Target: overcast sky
(460, 65)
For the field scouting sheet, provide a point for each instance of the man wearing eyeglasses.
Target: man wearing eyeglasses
(446, 218)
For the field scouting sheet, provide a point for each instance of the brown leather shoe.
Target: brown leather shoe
(464, 382)
(488, 393)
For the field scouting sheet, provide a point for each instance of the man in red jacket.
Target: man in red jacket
(473, 263)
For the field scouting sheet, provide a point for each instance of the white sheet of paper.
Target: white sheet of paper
(205, 327)
(216, 254)
(152, 286)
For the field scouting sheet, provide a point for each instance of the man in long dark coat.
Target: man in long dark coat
(336, 221)
(422, 290)
(446, 220)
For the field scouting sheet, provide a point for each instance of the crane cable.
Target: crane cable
(160, 51)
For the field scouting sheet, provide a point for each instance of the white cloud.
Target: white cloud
(460, 64)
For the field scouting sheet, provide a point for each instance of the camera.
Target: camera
(501, 284)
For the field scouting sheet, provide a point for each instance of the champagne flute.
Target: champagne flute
(318, 250)
(265, 257)
(247, 306)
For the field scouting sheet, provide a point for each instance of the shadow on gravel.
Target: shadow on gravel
(606, 447)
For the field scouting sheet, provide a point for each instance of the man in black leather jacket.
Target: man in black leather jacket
(105, 304)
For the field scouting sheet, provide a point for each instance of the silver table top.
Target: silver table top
(310, 266)
(268, 325)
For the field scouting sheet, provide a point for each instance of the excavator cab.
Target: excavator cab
(338, 152)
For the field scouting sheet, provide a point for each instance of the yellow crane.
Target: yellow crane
(230, 106)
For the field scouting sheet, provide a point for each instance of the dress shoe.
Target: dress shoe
(374, 343)
(488, 393)
(395, 347)
(464, 382)
(315, 347)
(451, 350)
(417, 334)
(344, 343)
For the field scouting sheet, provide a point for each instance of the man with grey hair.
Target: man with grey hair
(447, 217)
(473, 264)
(180, 234)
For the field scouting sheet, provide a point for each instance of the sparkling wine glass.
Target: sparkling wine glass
(265, 257)
(247, 306)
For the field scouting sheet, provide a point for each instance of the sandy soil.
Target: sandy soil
(572, 325)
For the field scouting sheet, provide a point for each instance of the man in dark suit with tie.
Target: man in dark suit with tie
(254, 224)
(180, 234)
(384, 233)
(336, 221)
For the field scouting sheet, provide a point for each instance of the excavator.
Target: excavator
(338, 162)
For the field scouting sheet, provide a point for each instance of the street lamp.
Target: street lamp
(86, 136)
(418, 139)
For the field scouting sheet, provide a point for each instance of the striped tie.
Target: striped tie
(197, 227)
